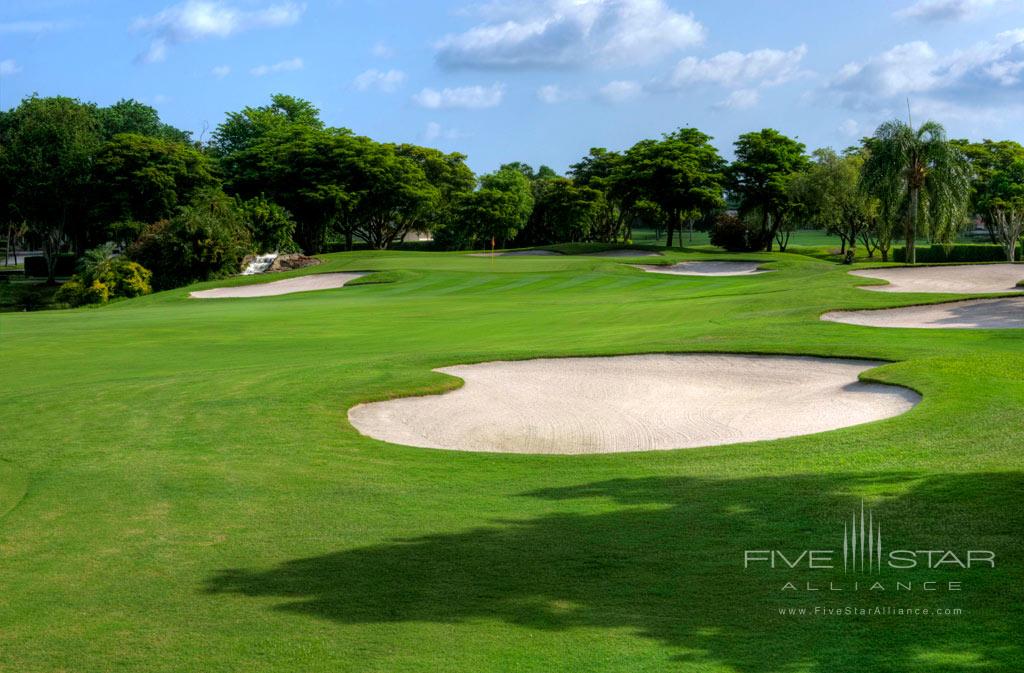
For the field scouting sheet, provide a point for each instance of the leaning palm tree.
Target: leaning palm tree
(919, 176)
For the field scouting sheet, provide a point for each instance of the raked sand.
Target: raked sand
(1005, 313)
(633, 403)
(317, 281)
(705, 268)
(954, 279)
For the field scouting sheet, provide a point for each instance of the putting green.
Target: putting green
(193, 497)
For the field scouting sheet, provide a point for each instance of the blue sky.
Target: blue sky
(539, 81)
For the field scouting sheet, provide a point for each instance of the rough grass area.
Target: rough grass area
(180, 489)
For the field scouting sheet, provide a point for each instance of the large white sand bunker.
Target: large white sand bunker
(958, 279)
(706, 268)
(1006, 313)
(633, 403)
(624, 253)
(317, 281)
(516, 253)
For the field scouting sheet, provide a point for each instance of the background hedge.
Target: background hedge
(961, 252)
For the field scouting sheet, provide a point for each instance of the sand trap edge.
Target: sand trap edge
(899, 399)
(313, 282)
(936, 310)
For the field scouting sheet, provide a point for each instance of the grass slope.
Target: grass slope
(180, 489)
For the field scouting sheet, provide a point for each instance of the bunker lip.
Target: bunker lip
(310, 283)
(946, 279)
(706, 268)
(995, 313)
(634, 403)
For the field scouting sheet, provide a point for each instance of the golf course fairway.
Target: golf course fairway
(181, 489)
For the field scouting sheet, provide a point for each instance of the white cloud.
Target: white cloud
(552, 94)
(947, 10)
(436, 131)
(466, 97)
(32, 27)
(200, 19)
(9, 67)
(384, 81)
(570, 32)
(741, 99)
(620, 91)
(985, 74)
(764, 67)
(221, 71)
(382, 50)
(281, 66)
(850, 128)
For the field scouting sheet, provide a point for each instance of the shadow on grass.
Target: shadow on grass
(664, 557)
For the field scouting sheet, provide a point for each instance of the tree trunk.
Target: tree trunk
(912, 226)
(671, 229)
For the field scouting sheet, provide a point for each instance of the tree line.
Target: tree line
(75, 176)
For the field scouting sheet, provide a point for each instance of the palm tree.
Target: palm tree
(921, 173)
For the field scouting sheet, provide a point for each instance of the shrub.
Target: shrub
(270, 226)
(205, 240)
(124, 278)
(97, 293)
(70, 293)
(76, 293)
(731, 234)
(960, 252)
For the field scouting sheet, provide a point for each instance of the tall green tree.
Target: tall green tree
(304, 169)
(606, 172)
(449, 175)
(758, 177)
(921, 173)
(131, 116)
(143, 179)
(1004, 206)
(568, 212)
(828, 194)
(392, 195)
(46, 158)
(484, 216)
(986, 159)
(515, 184)
(682, 173)
(240, 130)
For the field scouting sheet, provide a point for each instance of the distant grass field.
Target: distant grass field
(180, 489)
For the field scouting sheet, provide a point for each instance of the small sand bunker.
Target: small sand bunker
(633, 403)
(1007, 313)
(958, 279)
(624, 253)
(706, 268)
(317, 281)
(516, 253)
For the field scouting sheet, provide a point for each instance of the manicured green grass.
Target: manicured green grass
(180, 489)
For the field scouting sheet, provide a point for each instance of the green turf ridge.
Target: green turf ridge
(188, 495)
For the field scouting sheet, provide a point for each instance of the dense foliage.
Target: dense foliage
(74, 176)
